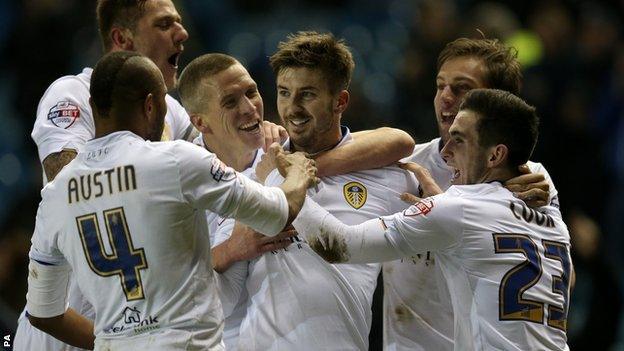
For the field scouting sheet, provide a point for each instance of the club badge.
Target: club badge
(355, 193)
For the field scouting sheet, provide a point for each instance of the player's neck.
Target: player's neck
(498, 175)
(232, 157)
(321, 144)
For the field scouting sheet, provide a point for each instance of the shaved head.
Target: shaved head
(124, 83)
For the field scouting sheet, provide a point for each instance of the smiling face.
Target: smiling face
(456, 77)
(306, 106)
(159, 35)
(463, 151)
(234, 109)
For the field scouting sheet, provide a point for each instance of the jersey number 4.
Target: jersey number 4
(512, 306)
(126, 261)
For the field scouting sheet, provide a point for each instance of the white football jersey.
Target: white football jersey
(65, 121)
(300, 302)
(127, 216)
(234, 304)
(418, 314)
(507, 266)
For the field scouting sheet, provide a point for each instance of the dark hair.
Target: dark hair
(122, 79)
(501, 63)
(316, 51)
(195, 72)
(504, 119)
(120, 13)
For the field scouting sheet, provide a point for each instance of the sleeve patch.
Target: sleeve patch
(220, 171)
(64, 114)
(422, 207)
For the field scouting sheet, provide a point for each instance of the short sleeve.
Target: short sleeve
(433, 223)
(64, 119)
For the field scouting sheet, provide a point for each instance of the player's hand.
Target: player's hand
(297, 163)
(265, 167)
(532, 188)
(428, 186)
(246, 244)
(273, 133)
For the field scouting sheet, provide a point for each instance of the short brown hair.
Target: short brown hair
(316, 51)
(121, 13)
(504, 119)
(189, 84)
(501, 63)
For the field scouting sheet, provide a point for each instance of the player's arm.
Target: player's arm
(53, 164)
(376, 240)
(245, 244)
(70, 328)
(369, 149)
(46, 302)
(63, 124)
(208, 184)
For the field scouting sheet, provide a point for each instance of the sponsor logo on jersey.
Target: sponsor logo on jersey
(220, 171)
(422, 207)
(132, 320)
(64, 114)
(355, 193)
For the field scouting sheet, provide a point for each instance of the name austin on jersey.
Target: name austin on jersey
(108, 182)
(519, 210)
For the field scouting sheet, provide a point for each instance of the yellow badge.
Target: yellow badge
(166, 135)
(355, 194)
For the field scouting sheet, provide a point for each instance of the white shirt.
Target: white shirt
(234, 303)
(65, 121)
(493, 252)
(300, 302)
(148, 199)
(418, 314)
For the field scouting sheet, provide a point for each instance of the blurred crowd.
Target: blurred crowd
(572, 54)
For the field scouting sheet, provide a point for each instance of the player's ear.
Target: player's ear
(200, 124)
(497, 155)
(122, 38)
(148, 106)
(342, 102)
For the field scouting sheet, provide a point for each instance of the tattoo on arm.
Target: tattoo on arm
(56, 161)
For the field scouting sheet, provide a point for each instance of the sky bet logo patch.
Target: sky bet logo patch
(422, 207)
(64, 114)
(355, 193)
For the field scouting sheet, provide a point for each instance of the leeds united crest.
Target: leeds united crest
(355, 193)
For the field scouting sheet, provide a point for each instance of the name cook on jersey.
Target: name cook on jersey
(108, 182)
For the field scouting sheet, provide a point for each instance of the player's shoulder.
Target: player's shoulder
(536, 167)
(483, 191)
(176, 109)
(183, 152)
(69, 85)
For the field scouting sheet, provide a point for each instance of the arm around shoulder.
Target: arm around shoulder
(369, 149)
